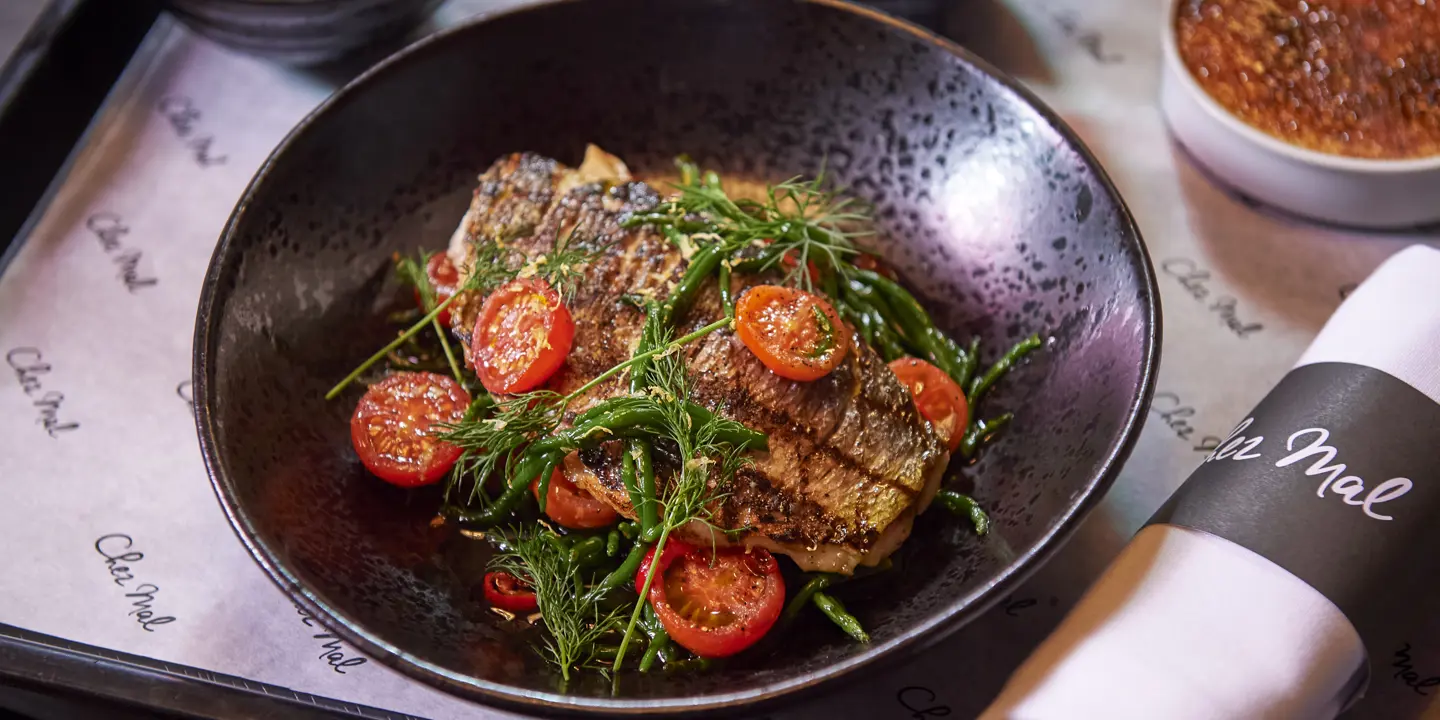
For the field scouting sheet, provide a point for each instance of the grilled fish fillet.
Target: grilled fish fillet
(850, 460)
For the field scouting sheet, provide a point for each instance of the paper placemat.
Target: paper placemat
(119, 540)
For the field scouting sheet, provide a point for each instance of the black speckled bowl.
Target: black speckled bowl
(1000, 219)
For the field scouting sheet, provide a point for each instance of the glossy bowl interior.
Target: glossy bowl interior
(997, 216)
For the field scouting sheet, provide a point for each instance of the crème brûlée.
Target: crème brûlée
(1358, 78)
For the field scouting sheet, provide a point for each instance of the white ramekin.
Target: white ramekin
(1364, 193)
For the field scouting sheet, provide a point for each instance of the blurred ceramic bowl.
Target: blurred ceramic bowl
(301, 32)
(1349, 191)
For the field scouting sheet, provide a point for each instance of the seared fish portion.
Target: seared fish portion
(850, 460)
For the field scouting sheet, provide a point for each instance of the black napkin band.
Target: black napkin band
(1333, 478)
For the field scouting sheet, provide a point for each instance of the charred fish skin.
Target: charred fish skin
(830, 477)
(509, 202)
(850, 460)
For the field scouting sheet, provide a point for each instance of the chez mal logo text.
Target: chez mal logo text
(1310, 445)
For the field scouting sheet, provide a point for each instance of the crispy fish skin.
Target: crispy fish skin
(850, 460)
(508, 204)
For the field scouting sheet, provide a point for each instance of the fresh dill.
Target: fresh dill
(493, 264)
(491, 446)
(699, 444)
(490, 265)
(574, 622)
(810, 224)
(798, 219)
(660, 350)
(564, 266)
(703, 442)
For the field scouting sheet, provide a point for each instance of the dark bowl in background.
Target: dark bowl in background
(999, 218)
(301, 32)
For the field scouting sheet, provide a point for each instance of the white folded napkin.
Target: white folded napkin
(1186, 625)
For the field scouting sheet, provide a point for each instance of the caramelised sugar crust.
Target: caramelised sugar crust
(850, 460)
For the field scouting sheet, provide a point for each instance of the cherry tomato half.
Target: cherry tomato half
(444, 278)
(391, 427)
(521, 337)
(937, 397)
(673, 549)
(796, 334)
(716, 603)
(507, 592)
(568, 504)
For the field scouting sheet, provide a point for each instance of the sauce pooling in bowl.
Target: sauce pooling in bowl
(1348, 77)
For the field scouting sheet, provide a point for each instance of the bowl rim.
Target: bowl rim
(1170, 50)
(959, 611)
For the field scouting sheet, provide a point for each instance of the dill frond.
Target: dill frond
(564, 267)
(574, 624)
(490, 445)
(411, 272)
(798, 218)
(492, 264)
(706, 462)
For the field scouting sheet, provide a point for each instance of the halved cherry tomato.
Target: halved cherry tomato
(715, 603)
(507, 592)
(444, 278)
(866, 261)
(796, 334)
(568, 504)
(937, 397)
(391, 427)
(673, 549)
(521, 337)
